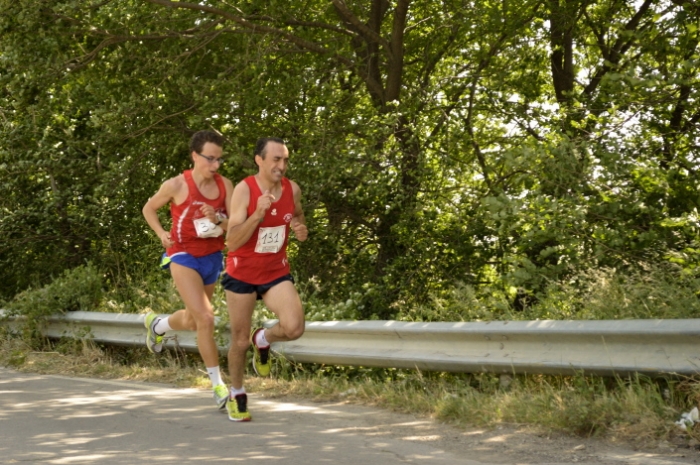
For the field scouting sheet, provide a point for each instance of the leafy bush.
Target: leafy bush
(649, 291)
(462, 303)
(77, 289)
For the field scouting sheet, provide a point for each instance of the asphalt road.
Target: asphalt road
(61, 420)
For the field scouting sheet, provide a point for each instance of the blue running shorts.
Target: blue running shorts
(209, 266)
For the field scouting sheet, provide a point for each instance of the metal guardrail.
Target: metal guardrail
(553, 347)
(549, 347)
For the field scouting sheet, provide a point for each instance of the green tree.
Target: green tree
(436, 142)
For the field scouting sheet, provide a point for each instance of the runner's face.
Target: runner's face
(274, 165)
(208, 161)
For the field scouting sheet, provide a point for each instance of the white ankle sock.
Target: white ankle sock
(162, 326)
(260, 340)
(234, 392)
(214, 376)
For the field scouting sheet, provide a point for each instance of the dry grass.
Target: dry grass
(85, 359)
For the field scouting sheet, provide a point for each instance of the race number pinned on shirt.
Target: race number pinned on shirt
(270, 240)
(206, 228)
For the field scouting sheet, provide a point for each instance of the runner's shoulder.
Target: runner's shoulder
(174, 185)
(295, 187)
(242, 188)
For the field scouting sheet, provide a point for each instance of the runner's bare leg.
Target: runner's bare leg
(197, 299)
(240, 313)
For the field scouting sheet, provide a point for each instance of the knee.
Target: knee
(239, 342)
(205, 322)
(293, 330)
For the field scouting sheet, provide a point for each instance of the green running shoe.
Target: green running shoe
(238, 408)
(221, 396)
(261, 356)
(154, 342)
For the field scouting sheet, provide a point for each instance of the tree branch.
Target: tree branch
(395, 68)
(372, 85)
(166, 117)
(617, 50)
(253, 27)
(365, 32)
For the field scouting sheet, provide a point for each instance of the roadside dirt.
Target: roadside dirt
(518, 445)
(511, 444)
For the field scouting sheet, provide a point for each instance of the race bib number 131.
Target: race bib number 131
(270, 240)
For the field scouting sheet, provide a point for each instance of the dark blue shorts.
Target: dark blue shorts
(209, 266)
(239, 287)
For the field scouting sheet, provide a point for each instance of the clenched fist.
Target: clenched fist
(299, 229)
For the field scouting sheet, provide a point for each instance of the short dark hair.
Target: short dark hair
(200, 138)
(261, 145)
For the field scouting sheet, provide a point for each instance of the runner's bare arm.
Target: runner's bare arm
(165, 195)
(298, 223)
(209, 211)
(240, 226)
(229, 193)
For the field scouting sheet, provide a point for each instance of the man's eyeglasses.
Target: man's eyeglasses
(220, 161)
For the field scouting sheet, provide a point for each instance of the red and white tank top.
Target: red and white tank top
(264, 257)
(186, 215)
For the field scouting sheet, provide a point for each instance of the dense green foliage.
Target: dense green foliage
(442, 147)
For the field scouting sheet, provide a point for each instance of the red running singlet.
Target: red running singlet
(183, 232)
(263, 258)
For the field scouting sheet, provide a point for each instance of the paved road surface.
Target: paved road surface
(61, 420)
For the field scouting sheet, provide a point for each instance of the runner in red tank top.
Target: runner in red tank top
(192, 231)
(264, 209)
(263, 258)
(198, 201)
